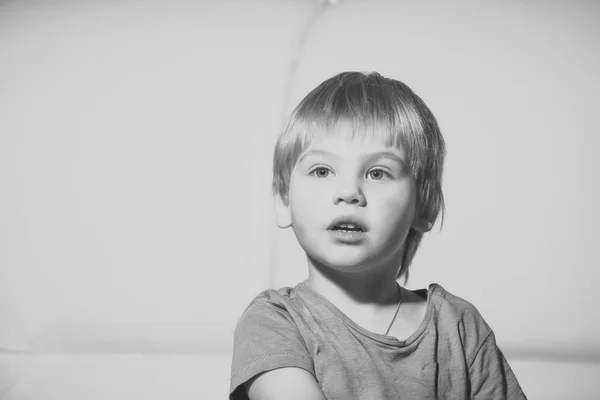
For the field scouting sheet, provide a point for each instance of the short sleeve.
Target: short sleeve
(490, 375)
(265, 338)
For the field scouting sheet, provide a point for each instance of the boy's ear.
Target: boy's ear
(422, 224)
(423, 221)
(283, 217)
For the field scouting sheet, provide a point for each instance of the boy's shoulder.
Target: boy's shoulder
(436, 295)
(445, 305)
(284, 307)
(450, 301)
(452, 311)
(271, 303)
(274, 297)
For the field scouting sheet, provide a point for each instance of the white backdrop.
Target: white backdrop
(127, 141)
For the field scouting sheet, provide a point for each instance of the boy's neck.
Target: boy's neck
(361, 292)
(372, 301)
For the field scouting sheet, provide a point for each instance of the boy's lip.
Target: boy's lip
(349, 219)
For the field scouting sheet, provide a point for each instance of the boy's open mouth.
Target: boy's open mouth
(348, 224)
(347, 228)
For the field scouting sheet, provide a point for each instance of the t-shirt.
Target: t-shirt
(452, 354)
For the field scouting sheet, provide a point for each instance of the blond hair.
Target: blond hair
(370, 100)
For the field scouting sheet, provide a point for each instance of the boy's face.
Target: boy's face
(351, 202)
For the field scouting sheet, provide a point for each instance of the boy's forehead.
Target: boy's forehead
(362, 139)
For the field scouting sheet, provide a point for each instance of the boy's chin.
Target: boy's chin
(347, 264)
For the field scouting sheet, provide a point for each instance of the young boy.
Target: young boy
(357, 175)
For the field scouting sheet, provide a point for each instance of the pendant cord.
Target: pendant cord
(395, 314)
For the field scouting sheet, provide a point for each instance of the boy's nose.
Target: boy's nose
(350, 194)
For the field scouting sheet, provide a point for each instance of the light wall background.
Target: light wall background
(135, 152)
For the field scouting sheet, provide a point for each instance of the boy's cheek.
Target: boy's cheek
(400, 195)
(310, 191)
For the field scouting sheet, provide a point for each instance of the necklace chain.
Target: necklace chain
(395, 314)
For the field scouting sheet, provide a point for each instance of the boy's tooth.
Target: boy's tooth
(345, 227)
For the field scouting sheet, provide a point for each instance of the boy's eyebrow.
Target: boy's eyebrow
(387, 154)
(371, 156)
(316, 153)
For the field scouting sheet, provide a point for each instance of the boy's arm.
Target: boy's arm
(270, 356)
(288, 383)
(490, 375)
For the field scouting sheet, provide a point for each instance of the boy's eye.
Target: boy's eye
(320, 172)
(378, 174)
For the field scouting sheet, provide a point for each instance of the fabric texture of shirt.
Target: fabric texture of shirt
(452, 355)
